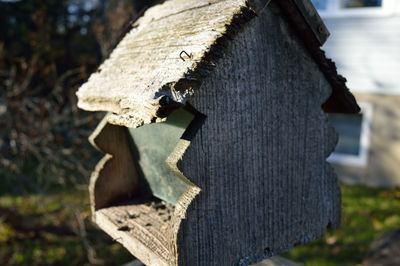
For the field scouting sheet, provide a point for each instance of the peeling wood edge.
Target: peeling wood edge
(162, 104)
(92, 183)
(137, 248)
(193, 78)
(181, 209)
(175, 156)
(96, 132)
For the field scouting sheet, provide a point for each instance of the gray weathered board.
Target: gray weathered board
(260, 156)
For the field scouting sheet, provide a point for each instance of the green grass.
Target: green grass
(55, 228)
(367, 213)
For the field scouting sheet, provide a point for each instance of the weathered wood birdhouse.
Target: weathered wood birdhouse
(216, 138)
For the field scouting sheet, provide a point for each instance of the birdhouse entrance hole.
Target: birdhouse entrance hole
(137, 191)
(158, 147)
(141, 163)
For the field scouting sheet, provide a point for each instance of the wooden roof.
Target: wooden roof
(162, 61)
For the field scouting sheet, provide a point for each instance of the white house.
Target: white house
(365, 43)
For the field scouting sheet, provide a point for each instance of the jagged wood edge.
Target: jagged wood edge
(172, 161)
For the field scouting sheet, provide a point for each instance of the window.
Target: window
(319, 4)
(360, 3)
(354, 137)
(341, 8)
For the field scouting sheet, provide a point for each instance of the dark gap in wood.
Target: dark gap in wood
(156, 149)
(143, 193)
(196, 123)
(329, 225)
(267, 252)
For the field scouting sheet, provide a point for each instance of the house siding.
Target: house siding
(383, 168)
(367, 52)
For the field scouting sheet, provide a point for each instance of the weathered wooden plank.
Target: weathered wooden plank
(146, 74)
(115, 177)
(141, 227)
(146, 65)
(260, 157)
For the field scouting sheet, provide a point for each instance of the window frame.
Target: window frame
(360, 160)
(333, 10)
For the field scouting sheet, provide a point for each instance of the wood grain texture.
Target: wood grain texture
(260, 157)
(148, 76)
(258, 167)
(146, 226)
(146, 71)
(141, 227)
(115, 177)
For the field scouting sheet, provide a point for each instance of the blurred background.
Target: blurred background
(48, 48)
(365, 44)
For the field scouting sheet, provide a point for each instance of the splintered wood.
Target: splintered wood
(147, 63)
(141, 228)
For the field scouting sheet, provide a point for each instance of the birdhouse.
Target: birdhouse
(216, 136)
